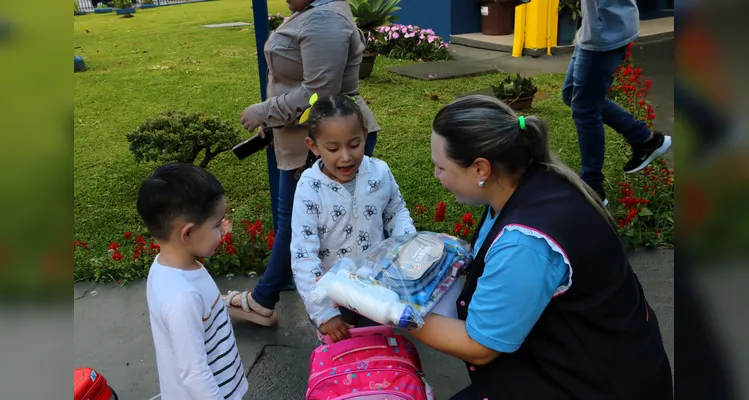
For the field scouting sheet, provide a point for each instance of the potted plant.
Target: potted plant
(498, 16)
(123, 7)
(370, 15)
(570, 14)
(145, 4)
(516, 91)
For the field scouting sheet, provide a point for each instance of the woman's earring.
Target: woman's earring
(481, 183)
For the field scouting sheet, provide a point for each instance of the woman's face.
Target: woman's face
(298, 5)
(462, 182)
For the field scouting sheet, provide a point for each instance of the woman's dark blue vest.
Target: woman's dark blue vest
(598, 340)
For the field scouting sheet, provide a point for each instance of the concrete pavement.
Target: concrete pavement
(112, 334)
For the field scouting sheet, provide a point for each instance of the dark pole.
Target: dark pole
(260, 16)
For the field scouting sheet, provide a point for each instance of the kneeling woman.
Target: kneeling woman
(551, 308)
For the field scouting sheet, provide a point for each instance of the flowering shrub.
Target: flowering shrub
(130, 257)
(408, 42)
(248, 252)
(631, 92)
(644, 209)
(126, 259)
(274, 21)
(439, 223)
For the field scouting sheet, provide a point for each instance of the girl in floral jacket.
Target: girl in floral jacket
(344, 203)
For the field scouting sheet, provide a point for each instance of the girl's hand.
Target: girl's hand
(336, 329)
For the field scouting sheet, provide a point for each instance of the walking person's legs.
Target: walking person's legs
(589, 78)
(369, 145)
(262, 300)
(278, 271)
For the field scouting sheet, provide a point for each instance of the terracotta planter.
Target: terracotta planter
(367, 64)
(497, 18)
(519, 104)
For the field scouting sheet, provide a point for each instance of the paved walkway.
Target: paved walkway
(112, 334)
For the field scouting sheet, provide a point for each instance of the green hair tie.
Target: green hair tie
(521, 120)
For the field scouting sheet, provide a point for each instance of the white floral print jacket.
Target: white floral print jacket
(328, 223)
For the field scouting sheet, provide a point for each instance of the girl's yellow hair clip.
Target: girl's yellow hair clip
(305, 115)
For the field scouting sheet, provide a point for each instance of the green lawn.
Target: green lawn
(162, 59)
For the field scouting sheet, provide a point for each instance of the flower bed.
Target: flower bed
(644, 209)
(130, 257)
(275, 20)
(408, 42)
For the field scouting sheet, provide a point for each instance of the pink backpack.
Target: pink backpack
(374, 364)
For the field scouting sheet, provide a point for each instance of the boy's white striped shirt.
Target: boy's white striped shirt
(196, 352)
(221, 348)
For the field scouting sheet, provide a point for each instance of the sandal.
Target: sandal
(246, 312)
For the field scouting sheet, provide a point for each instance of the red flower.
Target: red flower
(140, 240)
(154, 246)
(117, 256)
(458, 228)
(201, 260)
(79, 243)
(439, 215)
(270, 239)
(114, 246)
(119, 282)
(253, 229)
(127, 235)
(230, 249)
(420, 209)
(466, 231)
(468, 219)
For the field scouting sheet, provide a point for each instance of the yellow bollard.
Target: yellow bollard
(551, 25)
(518, 40)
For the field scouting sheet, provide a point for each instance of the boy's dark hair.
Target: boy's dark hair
(327, 107)
(177, 190)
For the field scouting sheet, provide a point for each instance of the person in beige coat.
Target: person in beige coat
(316, 50)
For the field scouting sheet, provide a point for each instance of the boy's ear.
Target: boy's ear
(186, 232)
(311, 146)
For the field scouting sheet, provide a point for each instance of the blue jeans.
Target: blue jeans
(278, 272)
(589, 77)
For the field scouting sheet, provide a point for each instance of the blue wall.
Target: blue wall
(466, 16)
(445, 17)
(431, 14)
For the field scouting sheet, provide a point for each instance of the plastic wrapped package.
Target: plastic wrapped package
(398, 281)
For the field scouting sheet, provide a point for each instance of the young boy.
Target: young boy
(196, 353)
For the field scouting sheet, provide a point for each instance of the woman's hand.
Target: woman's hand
(249, 119)
(336, 329)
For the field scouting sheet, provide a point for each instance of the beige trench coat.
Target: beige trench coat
(318, 50)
